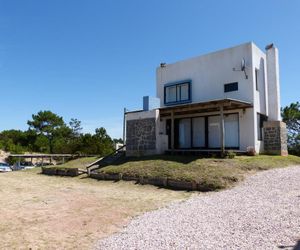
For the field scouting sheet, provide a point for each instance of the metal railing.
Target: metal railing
(89, 167)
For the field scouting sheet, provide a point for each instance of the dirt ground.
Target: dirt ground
(43, 212)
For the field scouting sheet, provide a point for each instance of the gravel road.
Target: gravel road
(261, 213)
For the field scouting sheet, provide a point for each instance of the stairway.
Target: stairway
(107, 160)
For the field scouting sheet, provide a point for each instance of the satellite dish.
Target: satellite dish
(243, 65)
(243, 68)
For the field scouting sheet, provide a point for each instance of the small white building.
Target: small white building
(229, 99)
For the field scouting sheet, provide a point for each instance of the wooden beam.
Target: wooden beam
(124, 127)
(166, 113)
(202, 108)
(222, 126)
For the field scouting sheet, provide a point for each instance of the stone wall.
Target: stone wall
(275, 138)
(141, 137)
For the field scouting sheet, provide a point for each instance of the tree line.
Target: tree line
(48, 133)
(291, 116)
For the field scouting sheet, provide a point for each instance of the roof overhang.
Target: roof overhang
(40, 155)
(204, 107)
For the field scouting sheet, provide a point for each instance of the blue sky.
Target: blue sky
(90, 59)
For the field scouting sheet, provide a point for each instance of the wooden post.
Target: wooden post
(124, 127)
(42, 161)
(222, 126)
(172, 130)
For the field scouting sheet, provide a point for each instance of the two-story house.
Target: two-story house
(228, 99)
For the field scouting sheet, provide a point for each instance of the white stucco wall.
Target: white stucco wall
(260, 95)
(209, 73)
(273, 83)
(142, 115)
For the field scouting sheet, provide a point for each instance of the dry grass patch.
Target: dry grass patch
(43, 212)
(209, 173)
(77, 163)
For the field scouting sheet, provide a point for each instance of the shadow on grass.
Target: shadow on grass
(155, 186)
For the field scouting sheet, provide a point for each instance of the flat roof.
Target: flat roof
(134, 111)
(250, 43)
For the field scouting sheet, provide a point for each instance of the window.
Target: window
(171, 94)
(260, 123)
(178, 93)
(256, 79)
(184, 92)
(228, 87)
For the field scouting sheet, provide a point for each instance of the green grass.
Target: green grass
(210, 173)
(77, 163)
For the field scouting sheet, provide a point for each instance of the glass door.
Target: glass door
(198, 132)
(184, 130)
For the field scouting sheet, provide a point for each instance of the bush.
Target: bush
(251, 151)
(294, 150)
(230, 154)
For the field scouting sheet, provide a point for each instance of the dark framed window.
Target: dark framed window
(260, 123)
(256, 78)
(177, 93)
(233, 86)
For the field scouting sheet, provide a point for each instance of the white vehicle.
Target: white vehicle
(4, 167)
(28, 167)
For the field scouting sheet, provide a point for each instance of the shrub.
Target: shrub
(251, 151)
(230, 154)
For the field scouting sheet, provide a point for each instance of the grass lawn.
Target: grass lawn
(77, 163)
(52, 212)
(210, 173)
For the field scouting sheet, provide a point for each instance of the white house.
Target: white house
(229, 99)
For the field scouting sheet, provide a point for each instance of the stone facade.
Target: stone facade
(275, 138)
(141, 137)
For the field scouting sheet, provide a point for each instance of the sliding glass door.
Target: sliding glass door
(214, 132)
(231, 130)
(184, 130)
(205, 132)
(198, 132)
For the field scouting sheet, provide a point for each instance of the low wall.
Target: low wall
(60, 171)
(155, 181)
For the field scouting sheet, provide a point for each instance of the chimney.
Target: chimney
(273, 82)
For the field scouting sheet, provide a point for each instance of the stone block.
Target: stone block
(140, 137)
(275, 138)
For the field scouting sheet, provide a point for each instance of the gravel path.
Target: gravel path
(261, 213)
